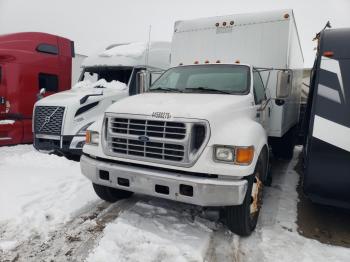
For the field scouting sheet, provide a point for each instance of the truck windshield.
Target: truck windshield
(109, 74)
(223, 79)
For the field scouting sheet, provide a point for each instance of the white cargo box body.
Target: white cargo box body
(268, 39)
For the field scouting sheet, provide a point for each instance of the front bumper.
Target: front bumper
(148, 181)
(63, 144)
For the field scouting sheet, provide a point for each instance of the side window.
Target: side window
(47, 49)
(259, 90)
(155, 76)
(49, 82)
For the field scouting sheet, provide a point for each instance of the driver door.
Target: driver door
(261, 103)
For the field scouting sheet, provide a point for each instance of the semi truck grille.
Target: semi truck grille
(143, 138)
(48, 120)
(164, 151)
(150, 128)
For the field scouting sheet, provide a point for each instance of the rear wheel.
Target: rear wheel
(242, 219)
(110, 194)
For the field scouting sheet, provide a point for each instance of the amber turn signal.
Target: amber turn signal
(88, 137)
(244, 155)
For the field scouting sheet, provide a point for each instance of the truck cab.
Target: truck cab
(60, 121)
(327, 123)
(200, 133)
(29, 62)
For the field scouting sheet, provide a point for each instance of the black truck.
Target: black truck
(326, 178)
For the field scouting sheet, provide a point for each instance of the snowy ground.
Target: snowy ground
(49, 212)
(38, 193)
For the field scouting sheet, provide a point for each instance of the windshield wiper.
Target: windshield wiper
(201, 88)
(166, 89)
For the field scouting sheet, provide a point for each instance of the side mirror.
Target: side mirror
(142, 82)
(42, 91)
(284, 82)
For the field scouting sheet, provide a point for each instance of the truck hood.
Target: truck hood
(200, 106)
(73, 96)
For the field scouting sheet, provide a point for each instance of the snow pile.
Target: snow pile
(102, 83)
(7, 122)
(38, 192)
(154, 232)
(276, 237)
(132, 50)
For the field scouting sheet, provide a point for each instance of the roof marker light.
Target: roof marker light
(232, 22)
(196, 62)
(237, 62)
(224, 23)
(217, 24)
(206, 61)
(181, 64)
(328, 53)
(286, 16)
(218, 61)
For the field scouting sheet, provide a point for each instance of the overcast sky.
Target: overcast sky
(95, 24)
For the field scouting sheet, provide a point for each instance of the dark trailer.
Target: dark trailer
(326, 178)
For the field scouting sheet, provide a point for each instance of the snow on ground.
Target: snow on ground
(38, 192)
(276, 237)
(150, 232)
(154, 231)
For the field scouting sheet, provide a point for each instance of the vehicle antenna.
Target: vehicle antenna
(148, 44)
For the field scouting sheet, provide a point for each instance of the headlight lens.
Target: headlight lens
(225, 153)
(82, 131)
(92, 137)
(234, 154)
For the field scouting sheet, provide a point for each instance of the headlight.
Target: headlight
(82, 131)
(92, 137)
(234, 154)
(223, 153)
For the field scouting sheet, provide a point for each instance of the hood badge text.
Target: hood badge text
(162, 115)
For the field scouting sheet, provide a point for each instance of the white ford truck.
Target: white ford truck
(60, 121)
(200, 134)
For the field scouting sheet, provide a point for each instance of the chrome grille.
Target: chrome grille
(164, 151)
(48, 120)
(143, 138)
(150, 128)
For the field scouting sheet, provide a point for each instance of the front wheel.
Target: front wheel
(110, 194)
(242, 219)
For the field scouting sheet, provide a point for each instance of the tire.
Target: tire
(266, 177)
(283, 147)
(110, 194)
(242, 219)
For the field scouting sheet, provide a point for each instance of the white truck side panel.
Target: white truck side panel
(286, 116)
(250, 43)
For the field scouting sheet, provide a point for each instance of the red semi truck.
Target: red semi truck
(30, 64)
